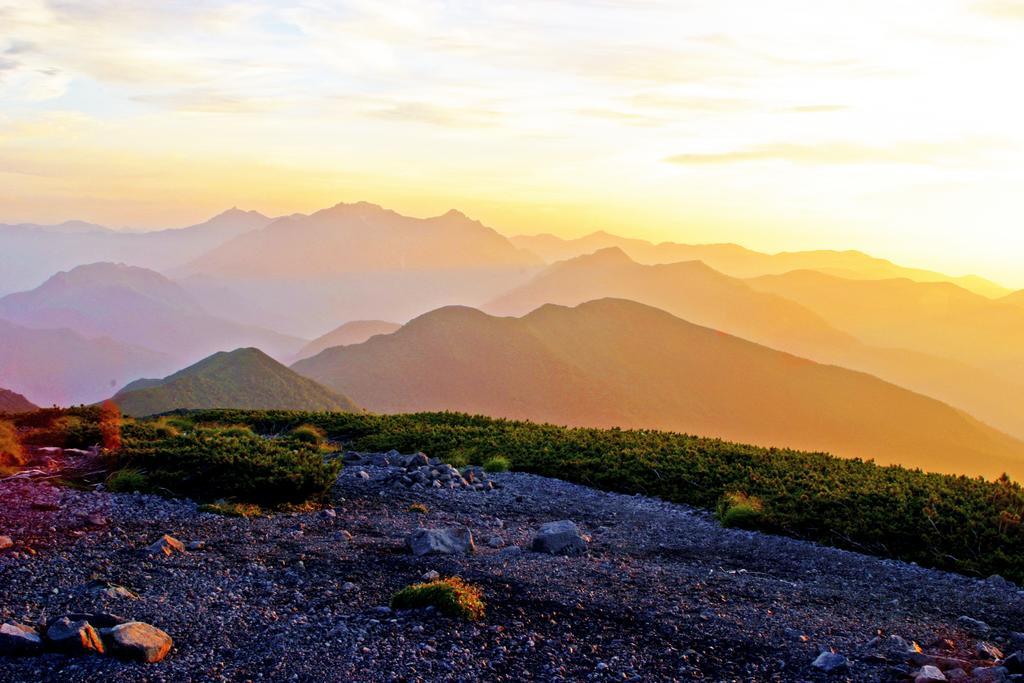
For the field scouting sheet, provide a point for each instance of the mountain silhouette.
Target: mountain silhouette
(243, 378)
(619, 363)
(738, 261)
(694, 292)
(61, 366)
(362, 237)
(30, 253)
(11, 402)
(353, 332)
(136, 306)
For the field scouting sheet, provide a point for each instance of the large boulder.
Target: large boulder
(139, 641)
(17, 639)
(450, 541)
(559, 538)
(74, 637)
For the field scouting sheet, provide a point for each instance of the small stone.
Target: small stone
(197, 545)
(74, 637)
(975, 627)
(329, 513)
(363, 474)
(18, 639)
(559, 538)
(348, 587)
(417, 460)
(5, 542)
(343, 536)
(166, 545)
(139, 641)
(430, 576)
(929, 674)
(987, 651)
(496, 542)
(831, 662)
(96, 519)
(450, 541)
(957, 674)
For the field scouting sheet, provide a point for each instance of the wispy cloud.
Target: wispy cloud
(832, 153)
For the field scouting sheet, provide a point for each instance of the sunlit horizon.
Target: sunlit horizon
(781, 128)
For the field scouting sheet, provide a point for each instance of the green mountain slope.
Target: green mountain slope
(244, 378)
(619, 363)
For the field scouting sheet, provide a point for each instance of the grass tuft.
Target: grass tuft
(497, 464)
(452, 596)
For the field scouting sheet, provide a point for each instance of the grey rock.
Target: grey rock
(929, 674)
(17, 639)
(363, 474)
(450, 541)
(987, 651)
(1014, 663)
(417, 460)
(496, 542)
(138, 641)
(975, 627)
(430, 576)
(559, 538)
(74, 636)
(166, 545)
(957, 674)
(831, 662)
(989, 674)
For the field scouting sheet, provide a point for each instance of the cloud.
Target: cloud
(817, 108)
(1001, 9)
(832, 153)
(423, 112)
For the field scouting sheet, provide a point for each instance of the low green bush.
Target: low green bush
(11, 453)
(497, 464)
(741, 511)
(229, 509)
(127, 480)
(308, 434)
(233, 464)
(452, 596)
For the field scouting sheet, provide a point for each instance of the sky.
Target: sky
(887, 126)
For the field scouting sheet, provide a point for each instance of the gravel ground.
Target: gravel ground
(663, 594)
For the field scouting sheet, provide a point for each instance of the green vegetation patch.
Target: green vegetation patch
(740, 510)
(452, 596)
(957, 523)
(497, 464)
(419, 508)
(233, 463)
(11, 453)
(230, 509)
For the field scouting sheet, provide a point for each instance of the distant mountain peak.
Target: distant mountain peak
(243, 378)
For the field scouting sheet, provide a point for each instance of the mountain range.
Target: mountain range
(745, 308)
(61, 366)
(741, 262)
(243, 378)
(139, 307)
(620, 363)
(31, 253)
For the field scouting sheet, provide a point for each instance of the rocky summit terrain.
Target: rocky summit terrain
(578, 584)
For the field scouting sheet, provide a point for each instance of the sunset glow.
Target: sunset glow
(890, 127)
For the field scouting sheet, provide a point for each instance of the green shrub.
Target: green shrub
(419, 508)
(453, 597)
(308, 434)
(497, 464)
(232, 464)
(11, 453)
(741, 511)
(955, 523)
(127, 480)
(229, 509)
(232, 431)
(460, 457)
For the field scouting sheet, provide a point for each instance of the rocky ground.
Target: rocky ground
(662, 592)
